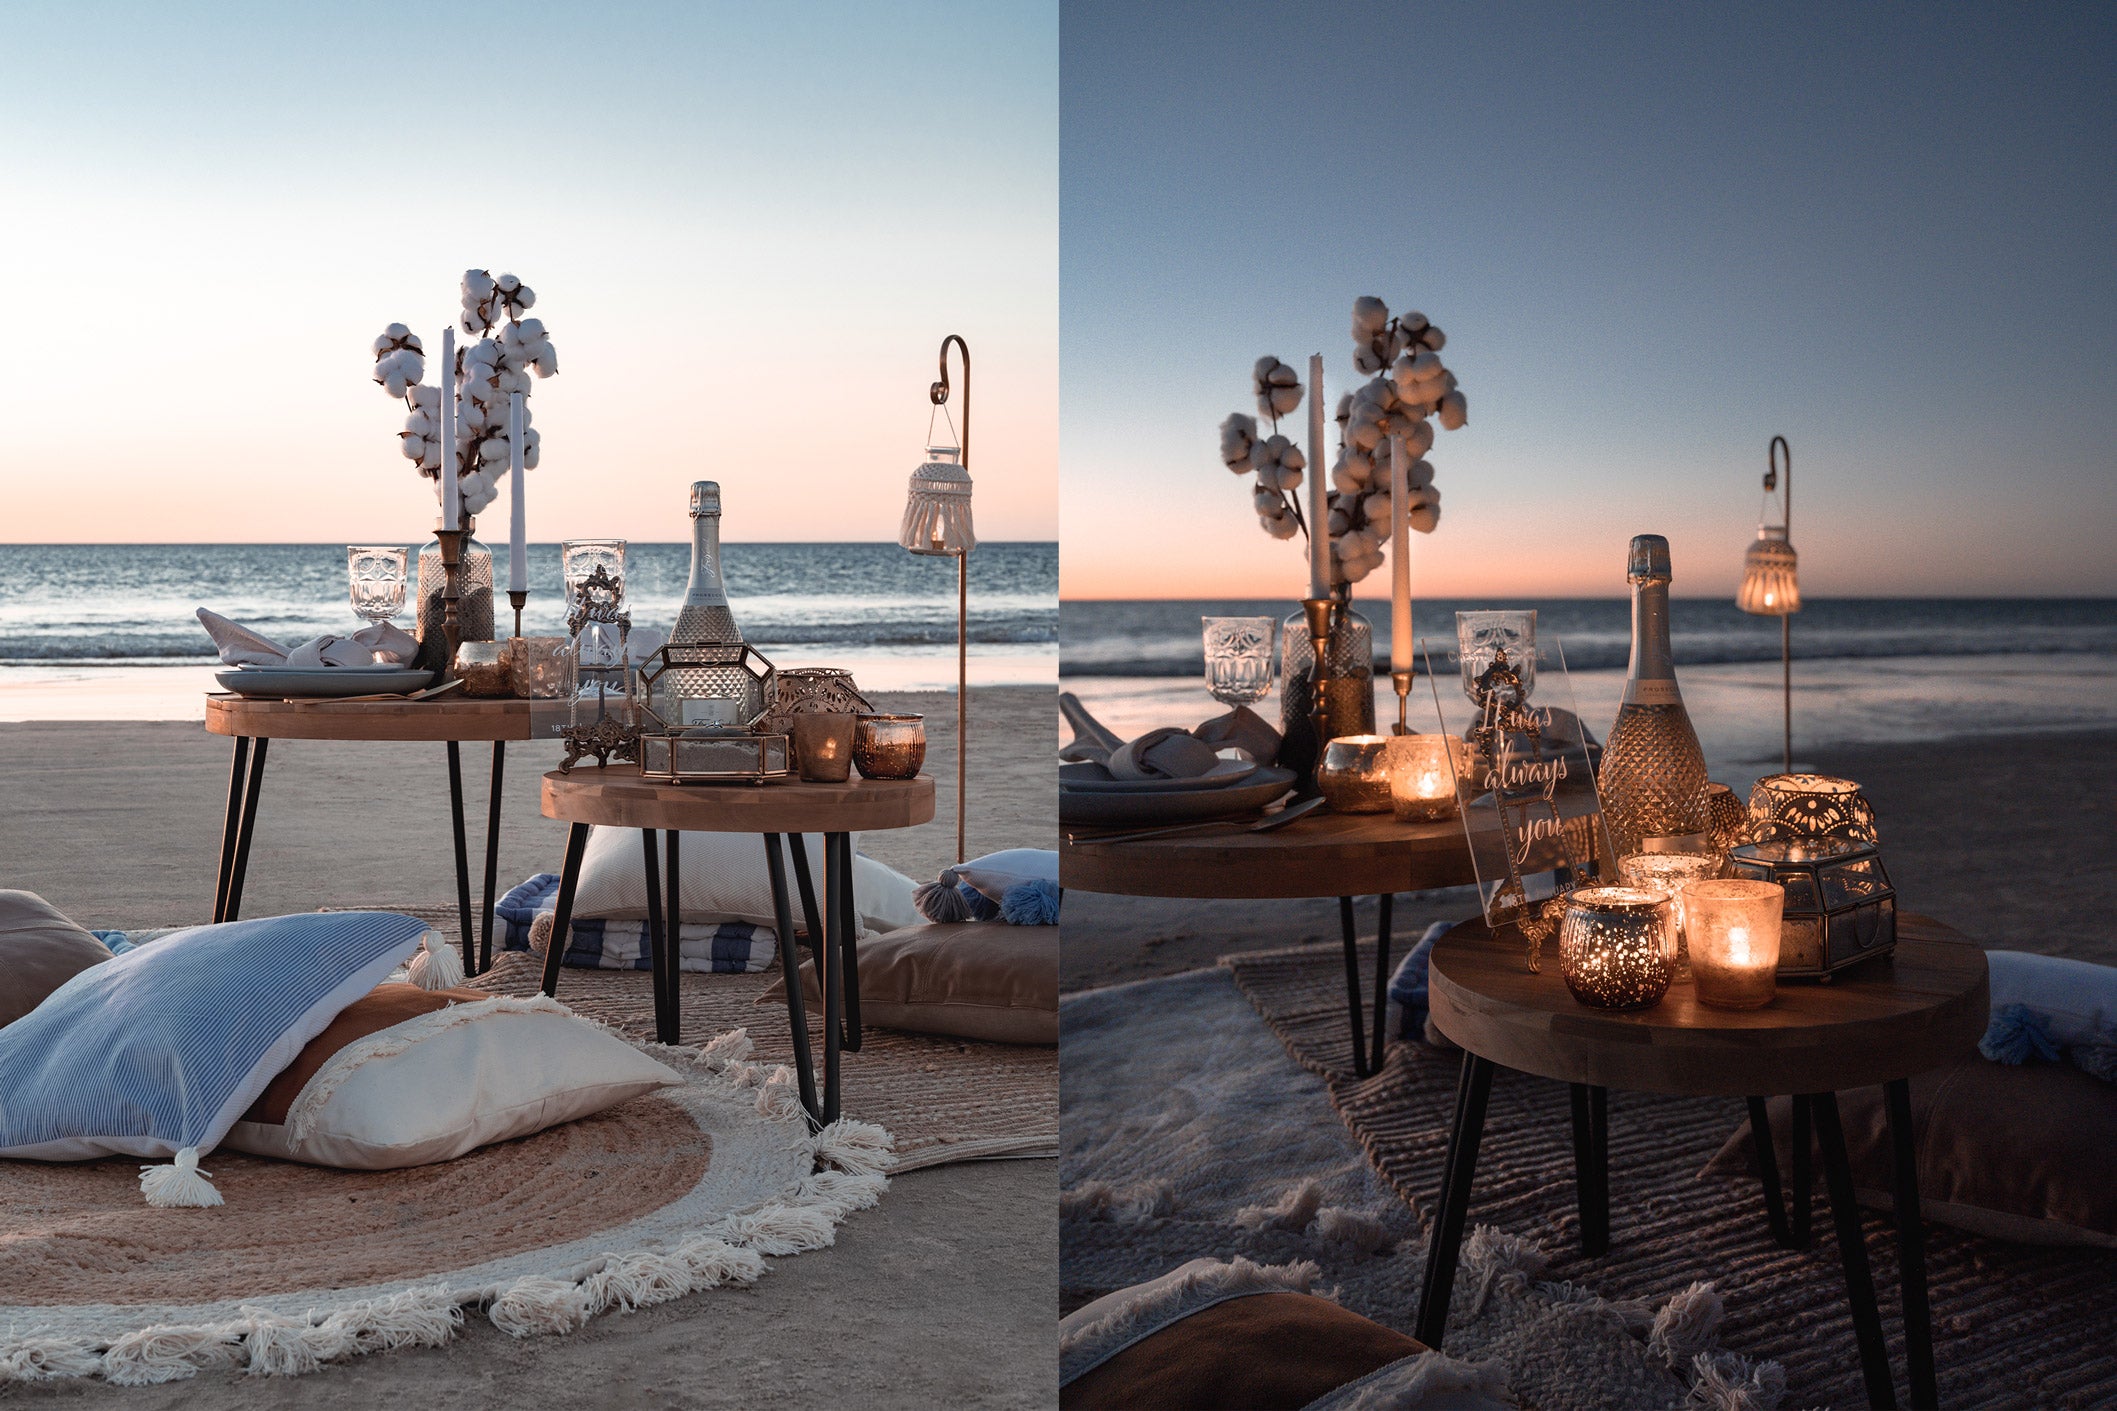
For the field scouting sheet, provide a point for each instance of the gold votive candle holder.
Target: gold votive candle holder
(1803, 807)
(482, 668)
(1669, 873)
(823, 745)
(889, 746)
(1614, 948)
(1422, 774)
(537, 667)
(1353, 775)
(1732, 928)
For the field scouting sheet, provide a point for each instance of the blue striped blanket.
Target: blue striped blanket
(729, 948)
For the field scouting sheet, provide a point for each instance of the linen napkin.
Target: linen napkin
(1245, 730)
(1167, 753)
(241, 646)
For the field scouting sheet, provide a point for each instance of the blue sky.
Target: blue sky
(749, 227)
(1655, 236)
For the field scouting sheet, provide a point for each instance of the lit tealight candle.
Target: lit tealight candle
(1732, 930)
(1422, 773)
(1613, 946)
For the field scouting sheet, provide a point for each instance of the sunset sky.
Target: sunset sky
(749, 228)
(1655, 237)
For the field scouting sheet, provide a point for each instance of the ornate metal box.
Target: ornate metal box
(1840, 908)
(713, 757)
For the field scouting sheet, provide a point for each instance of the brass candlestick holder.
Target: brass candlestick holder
(1322, 626)
(1402, 680)
(451, 541)
(520, 598)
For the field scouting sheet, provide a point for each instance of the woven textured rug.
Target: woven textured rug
(2014, 1325)
(942, 1099)
(685, 1189)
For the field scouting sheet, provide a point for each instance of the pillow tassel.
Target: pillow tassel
(436, 966)
(1031, 904)
(178, 1185)
(942, 902)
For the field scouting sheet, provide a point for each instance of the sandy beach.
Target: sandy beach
(2005, 837)
(943, 1295)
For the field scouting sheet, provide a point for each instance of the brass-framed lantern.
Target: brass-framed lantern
(1771, 582)
(1840, 906)
(710, 685)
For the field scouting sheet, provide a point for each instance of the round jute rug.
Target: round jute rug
(685, 1189)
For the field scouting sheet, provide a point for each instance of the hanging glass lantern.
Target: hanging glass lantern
(1770, 585)
(937, 516)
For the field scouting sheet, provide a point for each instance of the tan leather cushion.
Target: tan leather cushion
(1264, 1350)
(2018, 1153)
(969, 979)
(40, 950)
(380, 1008)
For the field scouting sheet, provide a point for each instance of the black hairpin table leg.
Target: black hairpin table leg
(1445, 1239)
(1376, 1051)
(1591, 1165)
(1760, 1132)
(455, 812)
(829, 969)
(1911, 1247)
(562, 915)
(1352, 985)
(1852, 1249)
(810, 915)
(245, 831)
(231, 825)
(657, 935)
(1800, 1198)
(849, 945)
(668, 1019)
(790, 977)
(492, 855)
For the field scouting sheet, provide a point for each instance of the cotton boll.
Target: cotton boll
(1414, 322)
(1363, 436)
(1369, 316)
(493, 450)
(1434, 339)
(531, 442)
(1238, 439)
(1376, 508)
(382, 344)
(1455, 411)
(478, 285)
(532, 330)
(1280, 528)
(1267, 502)
(1418, 436)
(507, 284)
(414, 447)
(1340, 518)
(1420, 475)
(1364, 360)
(525, 297)
(547, 363)
(1286, 399)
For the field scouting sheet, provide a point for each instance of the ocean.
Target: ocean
(107, 631)
(1866, 670)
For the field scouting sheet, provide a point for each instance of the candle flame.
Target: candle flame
(1738, 946)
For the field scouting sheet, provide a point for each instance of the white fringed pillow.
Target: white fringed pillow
(407, 1077)
(726, 879)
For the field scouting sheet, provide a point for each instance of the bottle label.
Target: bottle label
(1660, 691)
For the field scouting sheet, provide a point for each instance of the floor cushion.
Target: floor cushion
(726, 878)
(158, 1051)
(1210, 1335)
(406, 1077)
(2017, 1153)
(969, 979)
(40, 950)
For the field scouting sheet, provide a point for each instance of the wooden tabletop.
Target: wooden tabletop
(617, 797)
(1889, 1018)
(1323, 855)
(456, 718)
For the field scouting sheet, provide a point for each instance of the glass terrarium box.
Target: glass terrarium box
(1840, 907)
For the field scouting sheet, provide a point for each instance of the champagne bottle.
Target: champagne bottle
(1653, 773)
(705, 616)
(709, 688)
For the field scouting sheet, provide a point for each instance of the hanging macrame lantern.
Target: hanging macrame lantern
(937, 516)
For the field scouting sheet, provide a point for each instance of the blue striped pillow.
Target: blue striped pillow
(162, 1048)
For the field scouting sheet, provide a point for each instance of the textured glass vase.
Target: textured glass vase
(1349, 697)
(474, 616)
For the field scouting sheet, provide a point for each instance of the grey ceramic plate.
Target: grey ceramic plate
(1222, 775)
(271, 682)
(1144, 810)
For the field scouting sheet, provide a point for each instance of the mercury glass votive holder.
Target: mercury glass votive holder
(538, 667)
(1732, 927)
(1422, 773)
(482, 668)
(1614, 948)
(1353, 775)
(889, 746)
(1669, 873)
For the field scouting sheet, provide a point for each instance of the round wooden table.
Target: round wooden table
(615, 796)
(427, 722)
(1324, 854)
(1874, 1025)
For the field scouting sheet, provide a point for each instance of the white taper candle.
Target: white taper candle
(518, 527)
(1318, 486)
(451, 489)
(1399, 555)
